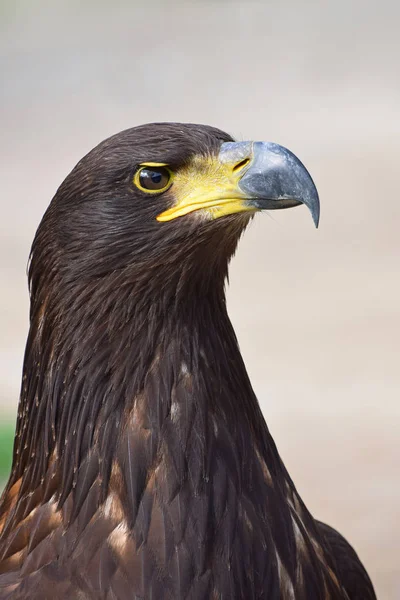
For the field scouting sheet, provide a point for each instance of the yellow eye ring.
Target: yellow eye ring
(153, 178)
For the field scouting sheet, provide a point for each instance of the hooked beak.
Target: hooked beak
(243, 177)
(274, 178)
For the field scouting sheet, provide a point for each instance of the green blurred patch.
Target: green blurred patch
(7, 430)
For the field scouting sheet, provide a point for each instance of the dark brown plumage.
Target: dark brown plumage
(143, 467)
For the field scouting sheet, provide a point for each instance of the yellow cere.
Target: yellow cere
(207, 184)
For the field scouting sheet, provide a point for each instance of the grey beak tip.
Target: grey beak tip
(314, 208)
(275, 178)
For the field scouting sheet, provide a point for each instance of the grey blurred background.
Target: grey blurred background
(317, 312)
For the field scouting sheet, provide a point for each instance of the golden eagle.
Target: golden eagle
(143, 467)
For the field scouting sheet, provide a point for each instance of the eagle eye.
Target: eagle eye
(153, 178)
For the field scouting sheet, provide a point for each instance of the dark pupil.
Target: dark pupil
(154, 179)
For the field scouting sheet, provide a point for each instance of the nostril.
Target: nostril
(240, 165)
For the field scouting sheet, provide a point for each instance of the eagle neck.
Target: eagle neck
(143, 416)
(90, 368)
